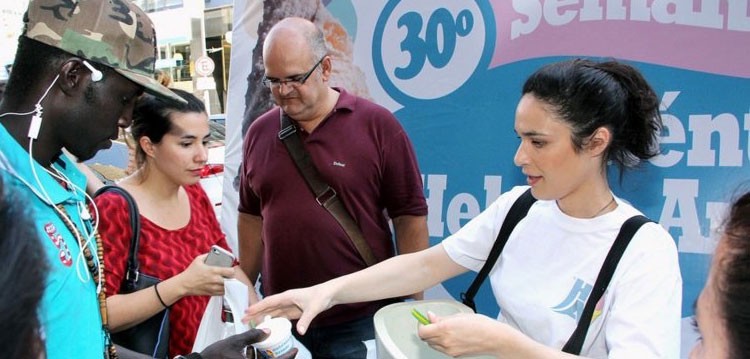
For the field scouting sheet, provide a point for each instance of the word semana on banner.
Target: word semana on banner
(703, 35)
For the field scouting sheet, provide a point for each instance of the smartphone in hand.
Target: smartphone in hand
(219, 257)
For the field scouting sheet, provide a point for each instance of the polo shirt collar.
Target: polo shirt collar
(346, 100)
(15, 160)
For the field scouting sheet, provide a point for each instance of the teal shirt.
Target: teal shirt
(69, 314)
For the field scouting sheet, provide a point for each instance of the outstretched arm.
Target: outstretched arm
(411, 236)
(398, 276)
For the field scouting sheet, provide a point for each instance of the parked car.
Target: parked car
(212, 176)
(219, 118)
(110, 164)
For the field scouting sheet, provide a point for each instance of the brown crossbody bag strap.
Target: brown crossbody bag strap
(323, 193)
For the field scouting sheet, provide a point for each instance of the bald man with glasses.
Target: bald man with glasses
(296, 80)
(360, 150)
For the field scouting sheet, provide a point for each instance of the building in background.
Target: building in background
(11, 25)
(187, 30)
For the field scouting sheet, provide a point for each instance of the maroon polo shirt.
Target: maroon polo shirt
(361, 151)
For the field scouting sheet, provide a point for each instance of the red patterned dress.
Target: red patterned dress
(163, 253)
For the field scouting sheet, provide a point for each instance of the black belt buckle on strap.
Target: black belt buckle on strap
(287, 131)
(326, 197)
(469, 302)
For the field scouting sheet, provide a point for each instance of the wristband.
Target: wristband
(159, 296)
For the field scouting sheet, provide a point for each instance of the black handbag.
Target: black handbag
(150, 337)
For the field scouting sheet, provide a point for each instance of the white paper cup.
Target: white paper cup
(279, 341)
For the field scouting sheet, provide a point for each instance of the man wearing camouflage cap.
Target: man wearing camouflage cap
(79, 68)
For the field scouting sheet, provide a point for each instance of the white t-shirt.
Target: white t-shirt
(549, 266)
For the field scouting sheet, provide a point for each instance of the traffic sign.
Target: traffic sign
(204, 66)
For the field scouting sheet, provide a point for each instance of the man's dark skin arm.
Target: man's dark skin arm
(229, 348)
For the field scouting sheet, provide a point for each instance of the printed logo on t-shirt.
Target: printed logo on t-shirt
(339, 164)
(573, 304)
(598, 309)
(63, 254)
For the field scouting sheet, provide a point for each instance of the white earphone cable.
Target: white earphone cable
(34, 127)
(46, 198)
(84, 215)
(38, 106)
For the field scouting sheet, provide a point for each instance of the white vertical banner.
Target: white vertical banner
(452, 70)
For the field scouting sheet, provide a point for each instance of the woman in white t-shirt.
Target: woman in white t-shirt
(573, 119)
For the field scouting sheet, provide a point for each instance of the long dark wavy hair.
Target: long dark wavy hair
(22, 279)
(733, 278)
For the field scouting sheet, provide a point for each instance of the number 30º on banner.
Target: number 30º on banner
(428, 49)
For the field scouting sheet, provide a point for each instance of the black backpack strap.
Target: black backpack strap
(517, 211)
(131, 276)
(628, 229)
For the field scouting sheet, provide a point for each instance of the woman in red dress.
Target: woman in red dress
(178, 224)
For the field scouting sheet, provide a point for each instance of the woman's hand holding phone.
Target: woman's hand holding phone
(219, 257)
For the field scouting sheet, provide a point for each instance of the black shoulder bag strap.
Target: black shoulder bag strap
(131, 276)
(517, 211)
(323, 193)
(628, 229)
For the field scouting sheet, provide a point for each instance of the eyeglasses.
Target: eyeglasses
(297, 80)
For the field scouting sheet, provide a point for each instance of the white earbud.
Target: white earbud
(96, 75)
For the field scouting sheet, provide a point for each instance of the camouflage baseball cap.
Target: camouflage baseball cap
(114, 33)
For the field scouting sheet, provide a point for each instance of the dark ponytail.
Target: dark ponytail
(640, 128)
(588, 95)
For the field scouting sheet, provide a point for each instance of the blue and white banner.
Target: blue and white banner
(452, 72)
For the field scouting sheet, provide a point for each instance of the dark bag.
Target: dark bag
(150, 337)
(517, 211)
